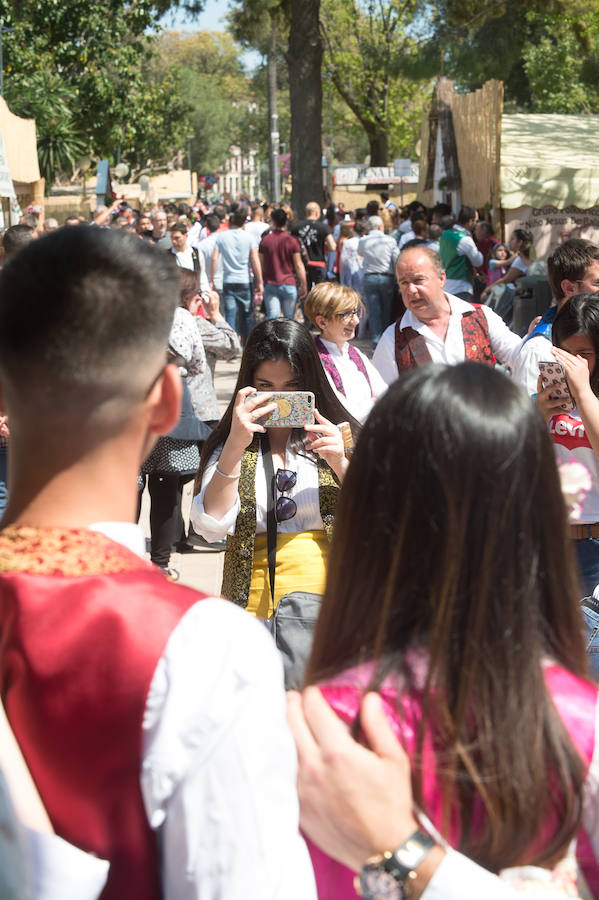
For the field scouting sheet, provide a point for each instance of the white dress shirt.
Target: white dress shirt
(305, 494)
(504, 343)
(359, 399)
(526, 364)
(184, 259)
(218, 774)
(466, 247)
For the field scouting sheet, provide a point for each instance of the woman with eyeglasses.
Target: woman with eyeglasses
(336, 311)
(308, 467)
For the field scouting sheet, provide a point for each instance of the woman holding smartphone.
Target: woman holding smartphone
(308, 466)
(575, 434)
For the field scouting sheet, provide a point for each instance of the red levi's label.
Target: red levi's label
(568, 432)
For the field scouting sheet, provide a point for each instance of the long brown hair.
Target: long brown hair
(275, 339)
(451, 536)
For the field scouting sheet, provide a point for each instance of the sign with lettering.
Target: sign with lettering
(357, 174)
(550, 226)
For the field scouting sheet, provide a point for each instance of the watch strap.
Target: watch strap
(386, 876)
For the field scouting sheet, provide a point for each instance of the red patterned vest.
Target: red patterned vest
(83, 623)
(411, 349)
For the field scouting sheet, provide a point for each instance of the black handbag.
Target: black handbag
(294, 618)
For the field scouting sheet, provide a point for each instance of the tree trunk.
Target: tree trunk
(304, 61)
(379, 148)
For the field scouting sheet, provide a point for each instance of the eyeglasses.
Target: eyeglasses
(285, 507)
(348, 316)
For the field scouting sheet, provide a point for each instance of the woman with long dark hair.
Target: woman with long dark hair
(461, 609)
(232, 483)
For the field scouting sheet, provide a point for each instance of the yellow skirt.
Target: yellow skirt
(301, 566)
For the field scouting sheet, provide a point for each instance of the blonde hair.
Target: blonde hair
(330, 298)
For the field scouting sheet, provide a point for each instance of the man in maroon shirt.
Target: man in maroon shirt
(281, 262)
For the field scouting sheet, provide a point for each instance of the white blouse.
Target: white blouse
(359, 399)
(305, 494)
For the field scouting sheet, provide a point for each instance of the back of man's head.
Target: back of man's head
(220, 211)
(239, 217)
(372, 208)
(16, 237)
(279, 218)
(375, 222)
(212, 223)
(312, 210)
(569, 262)
(85, 315)
(447, 222)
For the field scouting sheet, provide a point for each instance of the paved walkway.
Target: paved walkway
(203, 569)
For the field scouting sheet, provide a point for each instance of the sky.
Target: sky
(212, 19)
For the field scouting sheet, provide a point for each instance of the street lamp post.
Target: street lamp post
(4, 29)
(189, 140)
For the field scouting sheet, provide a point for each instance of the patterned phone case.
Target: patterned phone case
(552, 373)
(294, 409)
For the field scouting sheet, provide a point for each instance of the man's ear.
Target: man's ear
(569, 288)
(442, 278)
(164, 401)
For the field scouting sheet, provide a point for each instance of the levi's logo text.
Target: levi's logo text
(569, 432)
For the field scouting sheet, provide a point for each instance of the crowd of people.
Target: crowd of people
(442, 504)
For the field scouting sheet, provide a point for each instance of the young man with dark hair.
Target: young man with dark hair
(460, 255)
(281, 261)
(16, 237)
(150, 717)
(572, 268)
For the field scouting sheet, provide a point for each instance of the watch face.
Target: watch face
(379, 885)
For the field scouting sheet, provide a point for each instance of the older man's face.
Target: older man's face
(420, 285)
(159, 222)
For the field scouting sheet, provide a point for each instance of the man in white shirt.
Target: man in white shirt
(438, 327)
(459, 254)
(572, 268)
(151, 718)
(256, 226)
(379, 253)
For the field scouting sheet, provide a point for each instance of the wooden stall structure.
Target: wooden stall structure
(533, 171)
(18, 163)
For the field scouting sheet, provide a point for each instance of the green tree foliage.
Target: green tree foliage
(366, 45)
(544, 51)
(96, 54)
(223, 105)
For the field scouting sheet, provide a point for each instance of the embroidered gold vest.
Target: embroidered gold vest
(239, 556)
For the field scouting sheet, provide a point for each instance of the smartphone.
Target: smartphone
(553, 375)
(294, 409)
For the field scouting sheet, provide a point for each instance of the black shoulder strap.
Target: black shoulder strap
(271, 522)
(195, 259)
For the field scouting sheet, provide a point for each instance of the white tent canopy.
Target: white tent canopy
(549, 160)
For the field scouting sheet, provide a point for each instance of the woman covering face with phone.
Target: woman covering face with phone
(308, 466)
(575, 433)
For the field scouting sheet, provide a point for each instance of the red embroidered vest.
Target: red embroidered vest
(411, 349)
(83, 623)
